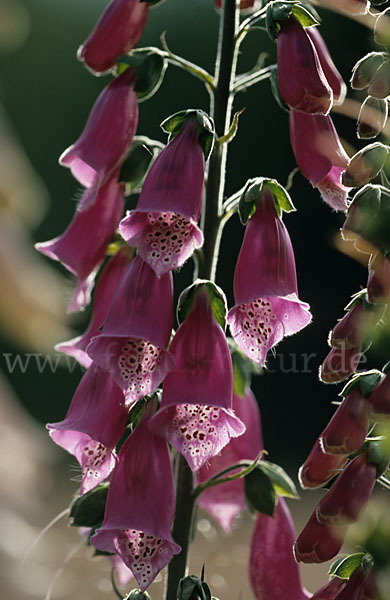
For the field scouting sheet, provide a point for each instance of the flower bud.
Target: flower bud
(339, 364)
(352, 589)
(330, 589)
(117, 32)
(349, 425)
(379, 401)
(137, 595)
(380, 84)
(317, 542)
(350, 493)
(192, 588)
(356, 325)
(365, 165)
(331, 73)
(378, 283)
(372, 118)
(382, 31)
(302, 82)
(320, 467)
(365, 69)
(88, 510)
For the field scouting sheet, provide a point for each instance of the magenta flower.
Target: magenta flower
(320, 467)
(348, 427)
(378, 283)
(105, 287)
(196, 414)
(132, 345)
(164, 225)
(117, 32)
(140, 506)
(339, 364)
(224, 502)
(320, 156)
(329, 590)
(350, 493)
(107, 135)
(273, 570)
(82, 247)
(379, 400)
(265, 285)
(318, 543)
(93, 426)
(331, 73)
(302, 82)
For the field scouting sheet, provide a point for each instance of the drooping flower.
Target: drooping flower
(348, 427)
(355, 325)
(302, 82)
(318, 542)
(82, 247)
(117, 32)
(350, 493)
(320, 155)
(265, 285)
(273, 570)
(93, 426)
(339, 364)
(196, 414)
(132, 345)
(105, 287)
(320, 467)
(224, 502)
(140, 506)
(106, 137)
(164, 224)
(331, 73)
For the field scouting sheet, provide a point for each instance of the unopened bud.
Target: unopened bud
(137, 595)
(378, 283)
(380, 84)
(339, 364)
(349, 425)
(382, 28)
(320, 467)
(365, 69)
(365, 165)
(380, 401)
(372, 118)
(317, 542)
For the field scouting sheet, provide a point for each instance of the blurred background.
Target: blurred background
(45, 96)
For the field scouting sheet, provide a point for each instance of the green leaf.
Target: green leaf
(243, 369)
(88, 509)
(346, 566)
(304, 16)
(137, 162)
(150, 75)
(216, 297)
(260, 492)
(283, 484)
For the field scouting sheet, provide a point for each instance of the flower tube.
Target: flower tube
(331, 73)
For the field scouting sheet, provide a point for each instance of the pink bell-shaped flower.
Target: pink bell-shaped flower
(320, 156)
(196, 414)
(379, 400)
(140, 506)
(331, 73)
(224, 502)
(132, 345)
(302, 82)
(318, 543)
(93, 426)
(320, 467)
(117, 32)
(348, 427)
(339, 364)
(105, 288)
(106, 137)
(164, 224)
(350, 493)
(265, 285)
(82, 247)
(273, 570)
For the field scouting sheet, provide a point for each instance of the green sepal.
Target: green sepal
(138, 160)
(365, 69)
(150, 66)
(216, 298)
(379, 455)
(193, 588)
(252, 196)
(260, 492)
(278, 12)
(88, 510)
(386, 368)
(366, 381)
(369, 216)
(135, 413)
(205, 127)
(243, 369)
(344, 567)
(136, 594)
(283, 484)
(365, 165)
(273, 79)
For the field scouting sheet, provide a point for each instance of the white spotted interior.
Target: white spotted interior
(145, 554)
(165, 238)
(137, 362)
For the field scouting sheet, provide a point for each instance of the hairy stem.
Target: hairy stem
(221, 109)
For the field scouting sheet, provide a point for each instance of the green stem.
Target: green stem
(221, 109)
